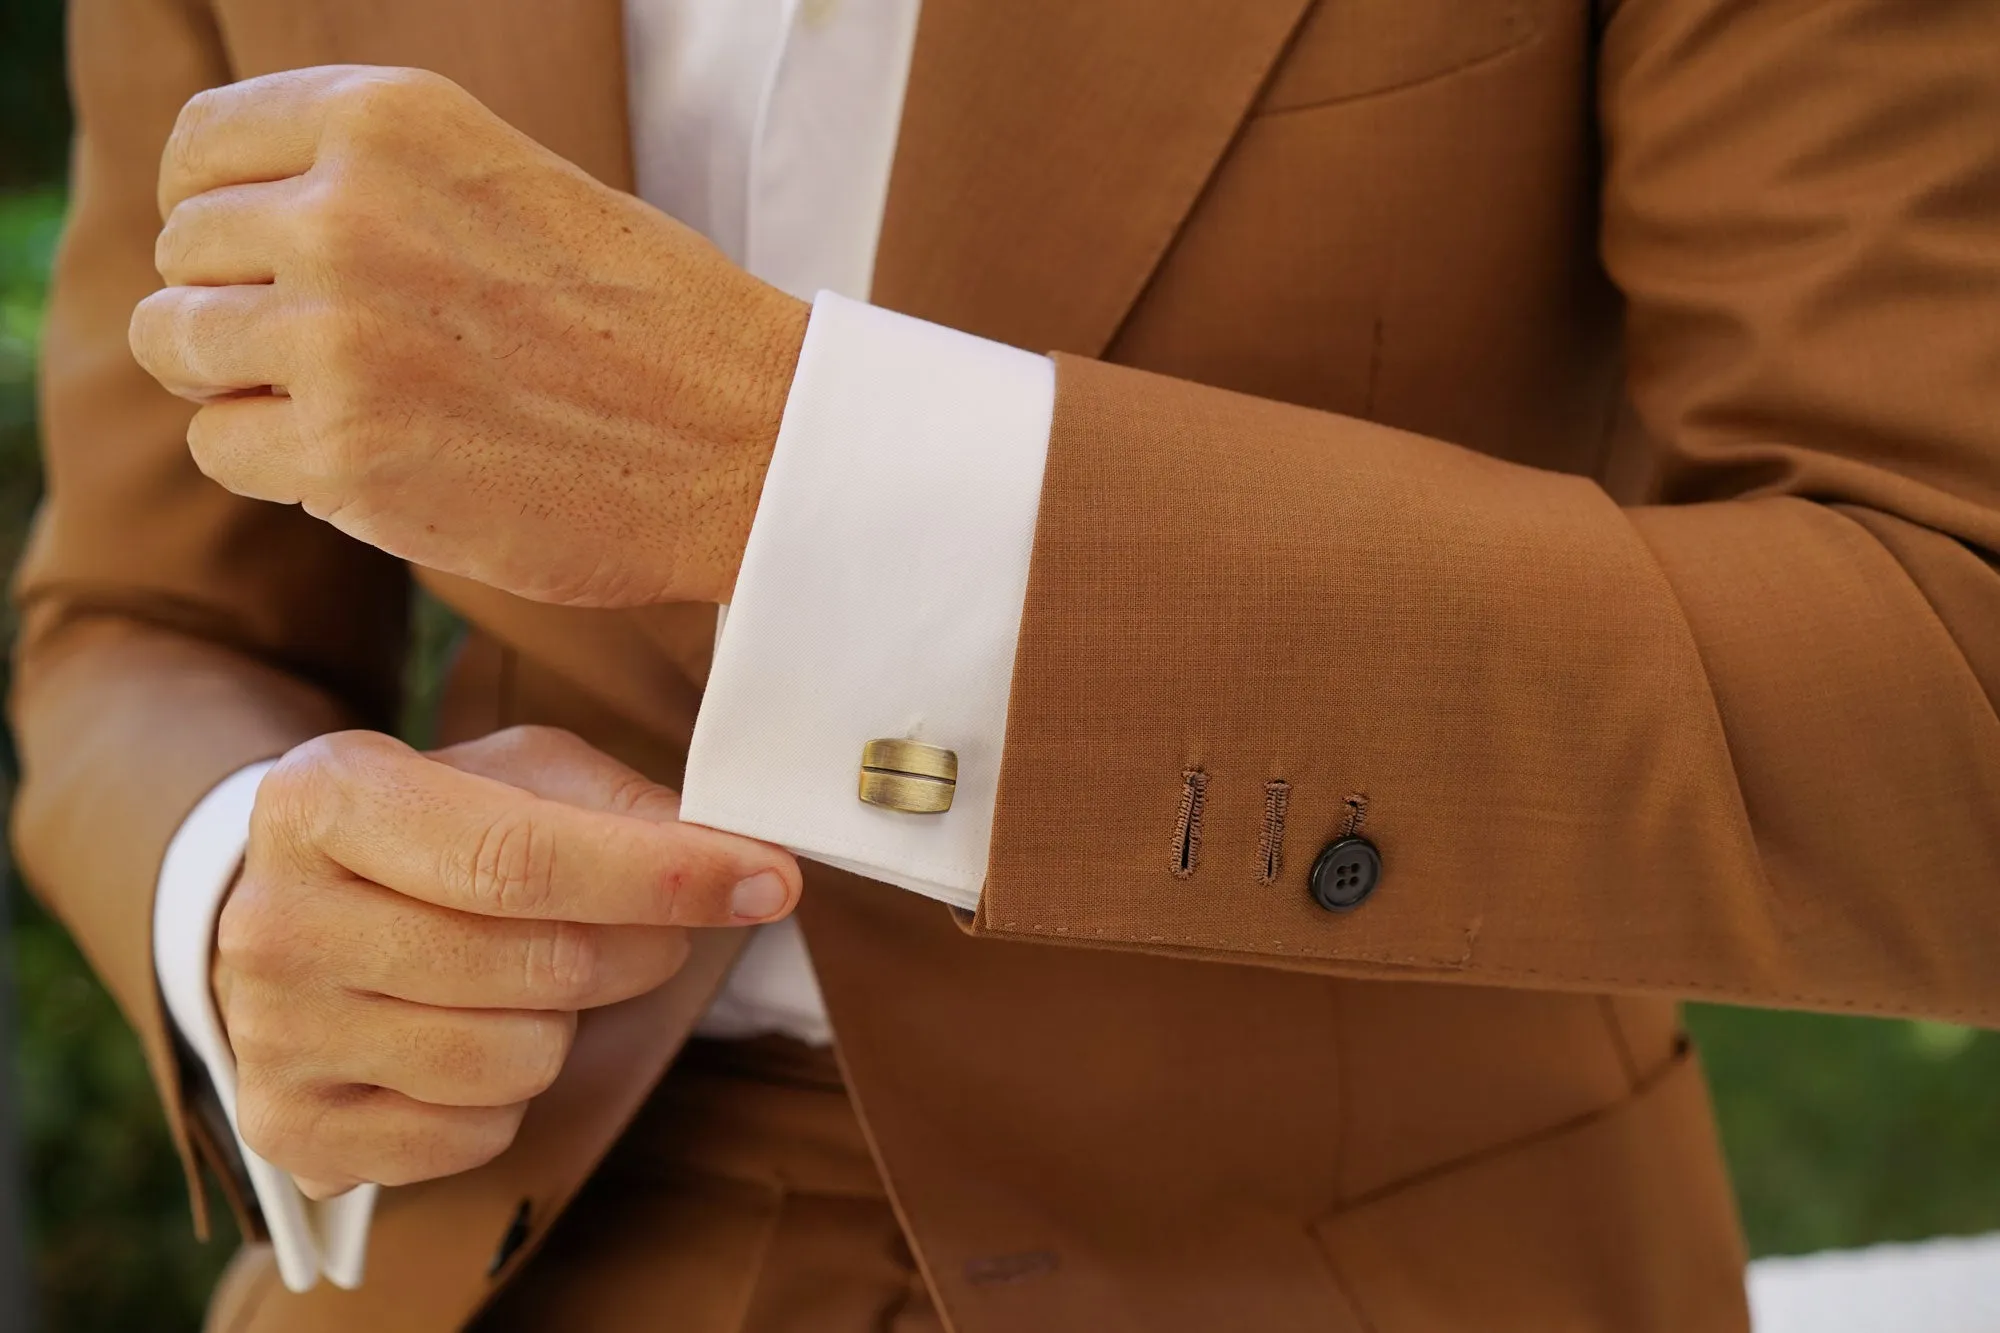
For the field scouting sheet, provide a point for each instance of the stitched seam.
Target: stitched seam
(1343, 1116)
(1186, 852)
(1521, 39)
(1546, 976)
(1271, 842)
(1225, 945)
(1509, 1147)
(1357, 812)
(1618, 1043)
(246, 1316)
(1339, 1278)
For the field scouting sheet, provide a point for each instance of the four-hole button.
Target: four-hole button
(1345, 873)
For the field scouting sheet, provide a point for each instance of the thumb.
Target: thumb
(559, 765)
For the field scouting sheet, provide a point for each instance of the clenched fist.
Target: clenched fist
(400, 965)
(428, 330)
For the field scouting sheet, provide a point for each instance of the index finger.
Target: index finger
(262, 129)
(471, 843)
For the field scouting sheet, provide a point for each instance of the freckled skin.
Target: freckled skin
(420, 285)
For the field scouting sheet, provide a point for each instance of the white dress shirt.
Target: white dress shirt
(882, 586)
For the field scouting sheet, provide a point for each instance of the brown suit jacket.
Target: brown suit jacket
(1569, 431)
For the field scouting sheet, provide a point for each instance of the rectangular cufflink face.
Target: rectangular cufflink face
(908, 775)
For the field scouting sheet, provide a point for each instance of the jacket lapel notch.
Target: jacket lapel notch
(1050, 150)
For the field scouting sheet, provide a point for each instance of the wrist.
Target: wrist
(775, 332)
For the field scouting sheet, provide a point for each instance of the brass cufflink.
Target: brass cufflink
(908, 775)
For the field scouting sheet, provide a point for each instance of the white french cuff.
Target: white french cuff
(308, 1238)
(880, 596)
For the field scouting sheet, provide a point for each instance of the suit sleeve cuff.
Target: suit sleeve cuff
(880, 596)
(201, 862)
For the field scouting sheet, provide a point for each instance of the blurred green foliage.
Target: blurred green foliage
(1852, 1131)
(34, 111)
(1839, 1131)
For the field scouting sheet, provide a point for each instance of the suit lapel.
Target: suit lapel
(1051, 148)
(553, 68)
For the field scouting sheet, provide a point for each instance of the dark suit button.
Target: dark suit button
(1345, 873)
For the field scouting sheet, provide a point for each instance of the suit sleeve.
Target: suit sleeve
(170, 633)
(1739, 743)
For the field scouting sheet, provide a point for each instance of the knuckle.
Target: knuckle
(290, 809)
(332, 224)
(254, 935)
(190, 325)
(416, 1150)
(183, 237)
(512, 867)
(534, 739)
(149, 332)
(495, 1134)
(543, 1052)
(258, 1038)
(306, 793)
(347, 759)
(271, 1122)
(184, 142)
(170, 246)
(244, 939)
(526, 744)
(637, 795)
(478, 1142)
(166, 329)
(679, 945)
(211, 459)
(387, 101)
(565, 963)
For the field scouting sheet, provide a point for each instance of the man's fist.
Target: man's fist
(454, 345)
(400, 965)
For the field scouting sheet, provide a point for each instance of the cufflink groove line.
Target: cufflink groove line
(908, 775)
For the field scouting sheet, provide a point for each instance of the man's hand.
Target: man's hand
(400, 966)
(452, 344)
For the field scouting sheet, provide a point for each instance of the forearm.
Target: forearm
(1598, 748)
(1728, 749)
(122, 727)
(1730, 734)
